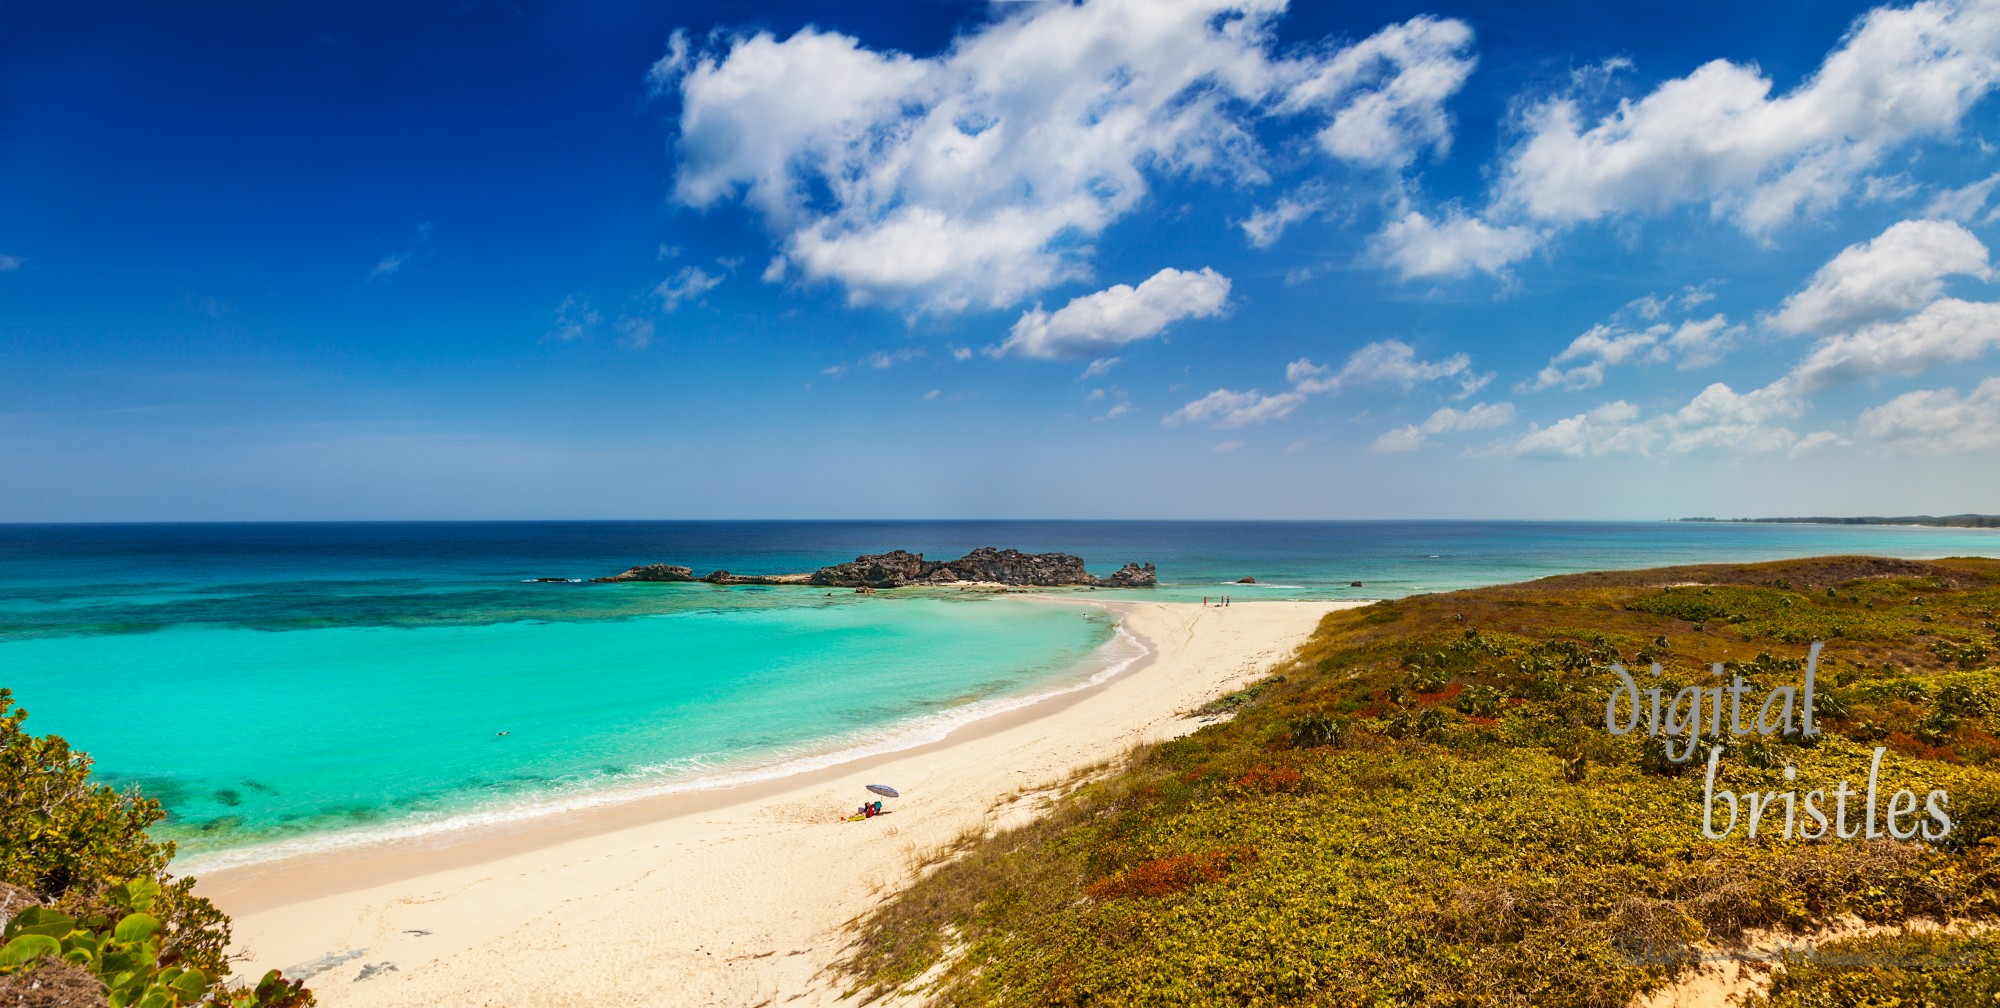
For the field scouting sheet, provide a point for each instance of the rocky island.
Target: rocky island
(903, 569)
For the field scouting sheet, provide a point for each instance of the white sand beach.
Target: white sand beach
(729, 897)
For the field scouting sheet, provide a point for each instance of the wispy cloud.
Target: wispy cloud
(1387, 362)
(1099, 368)
(1266, 225)
(1640, 333)
(1966, 203)
(635, 333)
(575, 320)
(1410, 437)
(687, 284)
(877, 360)
(394, 262)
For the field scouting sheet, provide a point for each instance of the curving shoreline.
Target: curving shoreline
(728, 896)
(1115, 655)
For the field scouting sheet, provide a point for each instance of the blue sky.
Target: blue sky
(1191, 259)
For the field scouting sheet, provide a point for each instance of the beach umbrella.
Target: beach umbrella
(884, 790)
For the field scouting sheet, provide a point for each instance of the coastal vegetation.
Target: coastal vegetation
(1917, 967)
(1947, 521)
(91, 914)
(1425, 807)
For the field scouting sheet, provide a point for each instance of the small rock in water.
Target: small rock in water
(1246, 580)
(654, 572)
(1353, 584)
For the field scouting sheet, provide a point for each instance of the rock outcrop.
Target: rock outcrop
(1129, 576)
(1013, 567)
(1246, 580)
(652, 572)
(723, 577)
(879, 570)
(901, 569)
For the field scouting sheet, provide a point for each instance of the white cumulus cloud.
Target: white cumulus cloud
(1388, 91)
(1718, 419)
(1096, 324)
(1896, 272)
(1722, 418)
(1417, 246)
(1945, 332)
(1936, 421)
(1878, 310)
(1605, 430)
(1719, 135)
(979, 176)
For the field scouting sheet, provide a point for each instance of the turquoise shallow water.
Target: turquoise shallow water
(284, 686)
(252, 738)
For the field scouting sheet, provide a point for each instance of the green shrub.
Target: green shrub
(1317, 729)
(103, 898)
(1912, 968)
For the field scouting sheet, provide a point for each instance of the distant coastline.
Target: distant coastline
(1934, 521)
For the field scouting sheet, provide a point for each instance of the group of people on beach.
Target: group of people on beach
(869, 810)
(1220, 600)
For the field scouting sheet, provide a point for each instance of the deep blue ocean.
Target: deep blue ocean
(286, 686)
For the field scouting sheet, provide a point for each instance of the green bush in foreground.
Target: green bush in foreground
(1424, 806)
(84, 890)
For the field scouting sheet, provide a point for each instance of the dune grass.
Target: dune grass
(1916, 969)
(1424, 807)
